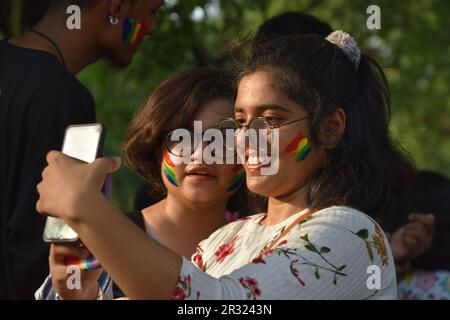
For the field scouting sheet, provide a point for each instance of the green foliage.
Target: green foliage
(413, 47)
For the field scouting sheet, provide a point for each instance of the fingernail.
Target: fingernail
(117, 160)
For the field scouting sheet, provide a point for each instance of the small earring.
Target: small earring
(113, 20)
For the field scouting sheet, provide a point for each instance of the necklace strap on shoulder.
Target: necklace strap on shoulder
(60, 55)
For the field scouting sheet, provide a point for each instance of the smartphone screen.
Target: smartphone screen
(82, 142)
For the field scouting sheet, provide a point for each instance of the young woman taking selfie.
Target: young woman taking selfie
(318, 239)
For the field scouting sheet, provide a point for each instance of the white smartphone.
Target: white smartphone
(83, 142)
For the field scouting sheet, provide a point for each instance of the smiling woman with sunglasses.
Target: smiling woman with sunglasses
(319, 238)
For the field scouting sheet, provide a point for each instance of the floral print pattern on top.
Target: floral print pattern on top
(324, 257)
(376, 243)
(198, 258)
(251, 285)
(225, 250)
(183, 289)
(425, 285)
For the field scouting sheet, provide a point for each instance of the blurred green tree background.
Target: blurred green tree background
(413, 46)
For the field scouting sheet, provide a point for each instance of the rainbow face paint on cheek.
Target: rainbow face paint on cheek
(134, 31)
(299, 147)
(169, 171)
(236, 181)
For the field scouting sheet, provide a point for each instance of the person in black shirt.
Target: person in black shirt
(428, 195)
(39, 98)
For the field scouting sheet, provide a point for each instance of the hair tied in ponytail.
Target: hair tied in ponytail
(346, 42)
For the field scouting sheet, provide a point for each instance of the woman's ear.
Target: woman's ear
(332, 128)
(118, 8)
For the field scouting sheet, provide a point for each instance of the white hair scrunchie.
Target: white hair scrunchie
(346, 42)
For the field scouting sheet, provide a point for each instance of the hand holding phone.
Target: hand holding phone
(83, 142)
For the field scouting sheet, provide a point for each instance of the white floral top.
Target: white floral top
(336, 253)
